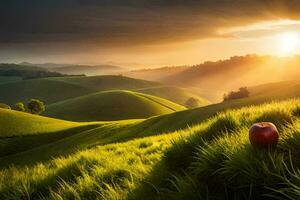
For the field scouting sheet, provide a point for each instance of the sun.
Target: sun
(288, 42)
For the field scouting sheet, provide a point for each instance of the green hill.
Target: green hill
(51, 90)
(107, 82)
(55, 89)
(14, 123)
(111, 105)
(208, 160)
(9, 79)
(47, 90)
(277, 90)
(203, 153)
(21, 131)
(175, 94)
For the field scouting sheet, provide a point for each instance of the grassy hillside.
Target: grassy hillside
(111, 105)
(9, 79)
(228, 74)
(157, 74)
(52, 90)
(108, 82)
(55, 89)
(47, 90)
(277, 90)
(142, 128)
(208, 160)
(14, 123)
(172, 93)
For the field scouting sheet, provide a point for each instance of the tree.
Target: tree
(192, 103)
(19, 107)
(36, 106)
(243, 92)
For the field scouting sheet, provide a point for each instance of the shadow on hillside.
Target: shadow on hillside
(17, 145)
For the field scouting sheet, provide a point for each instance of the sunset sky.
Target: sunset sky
(146, 33)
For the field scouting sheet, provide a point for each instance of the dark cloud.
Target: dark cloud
(129, 22)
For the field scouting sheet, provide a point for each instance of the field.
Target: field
(157, 149)
(109, 161)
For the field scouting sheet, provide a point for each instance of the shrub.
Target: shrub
(36, 106)
(19, 107)
(192, 103)
(241, 93)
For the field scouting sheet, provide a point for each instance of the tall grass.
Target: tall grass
(103, 172)
(218, 162)
(211, 160)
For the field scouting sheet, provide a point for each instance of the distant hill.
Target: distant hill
(12, 66)
(26, 72)
(107, 82)
(43, 65)
(55, 89)
(89, 70)
(175, 94)
(277, 90)
(224, 75)
(47, 90)
(111, 105)
(51, 90)
(157, 74)
(72, 69)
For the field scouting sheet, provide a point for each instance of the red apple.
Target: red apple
(263, 135)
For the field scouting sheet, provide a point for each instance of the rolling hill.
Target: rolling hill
(110, 132)
(191, 154)
(51, 90)
(147, 168)
(157, 74)
(227, 74)
(12, 66)
(14, 123)
(73, 69)
(88, 70)
(175, 94)
(55, 89)
(107, 82)
(47, 90)
(111, 105)
(9, 79)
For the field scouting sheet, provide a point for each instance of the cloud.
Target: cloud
(131, 22)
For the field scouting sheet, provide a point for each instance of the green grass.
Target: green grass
(107, 82)
(9, 79)
(55, 89)
(216, 160)
(46, 90)
(277, 90)
(210, 160)
(172, 93)
(111, 105)
(14, 123)
(104, 172)
(51, 90)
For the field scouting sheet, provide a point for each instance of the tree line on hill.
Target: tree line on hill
(34, 106)
(28, 74)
